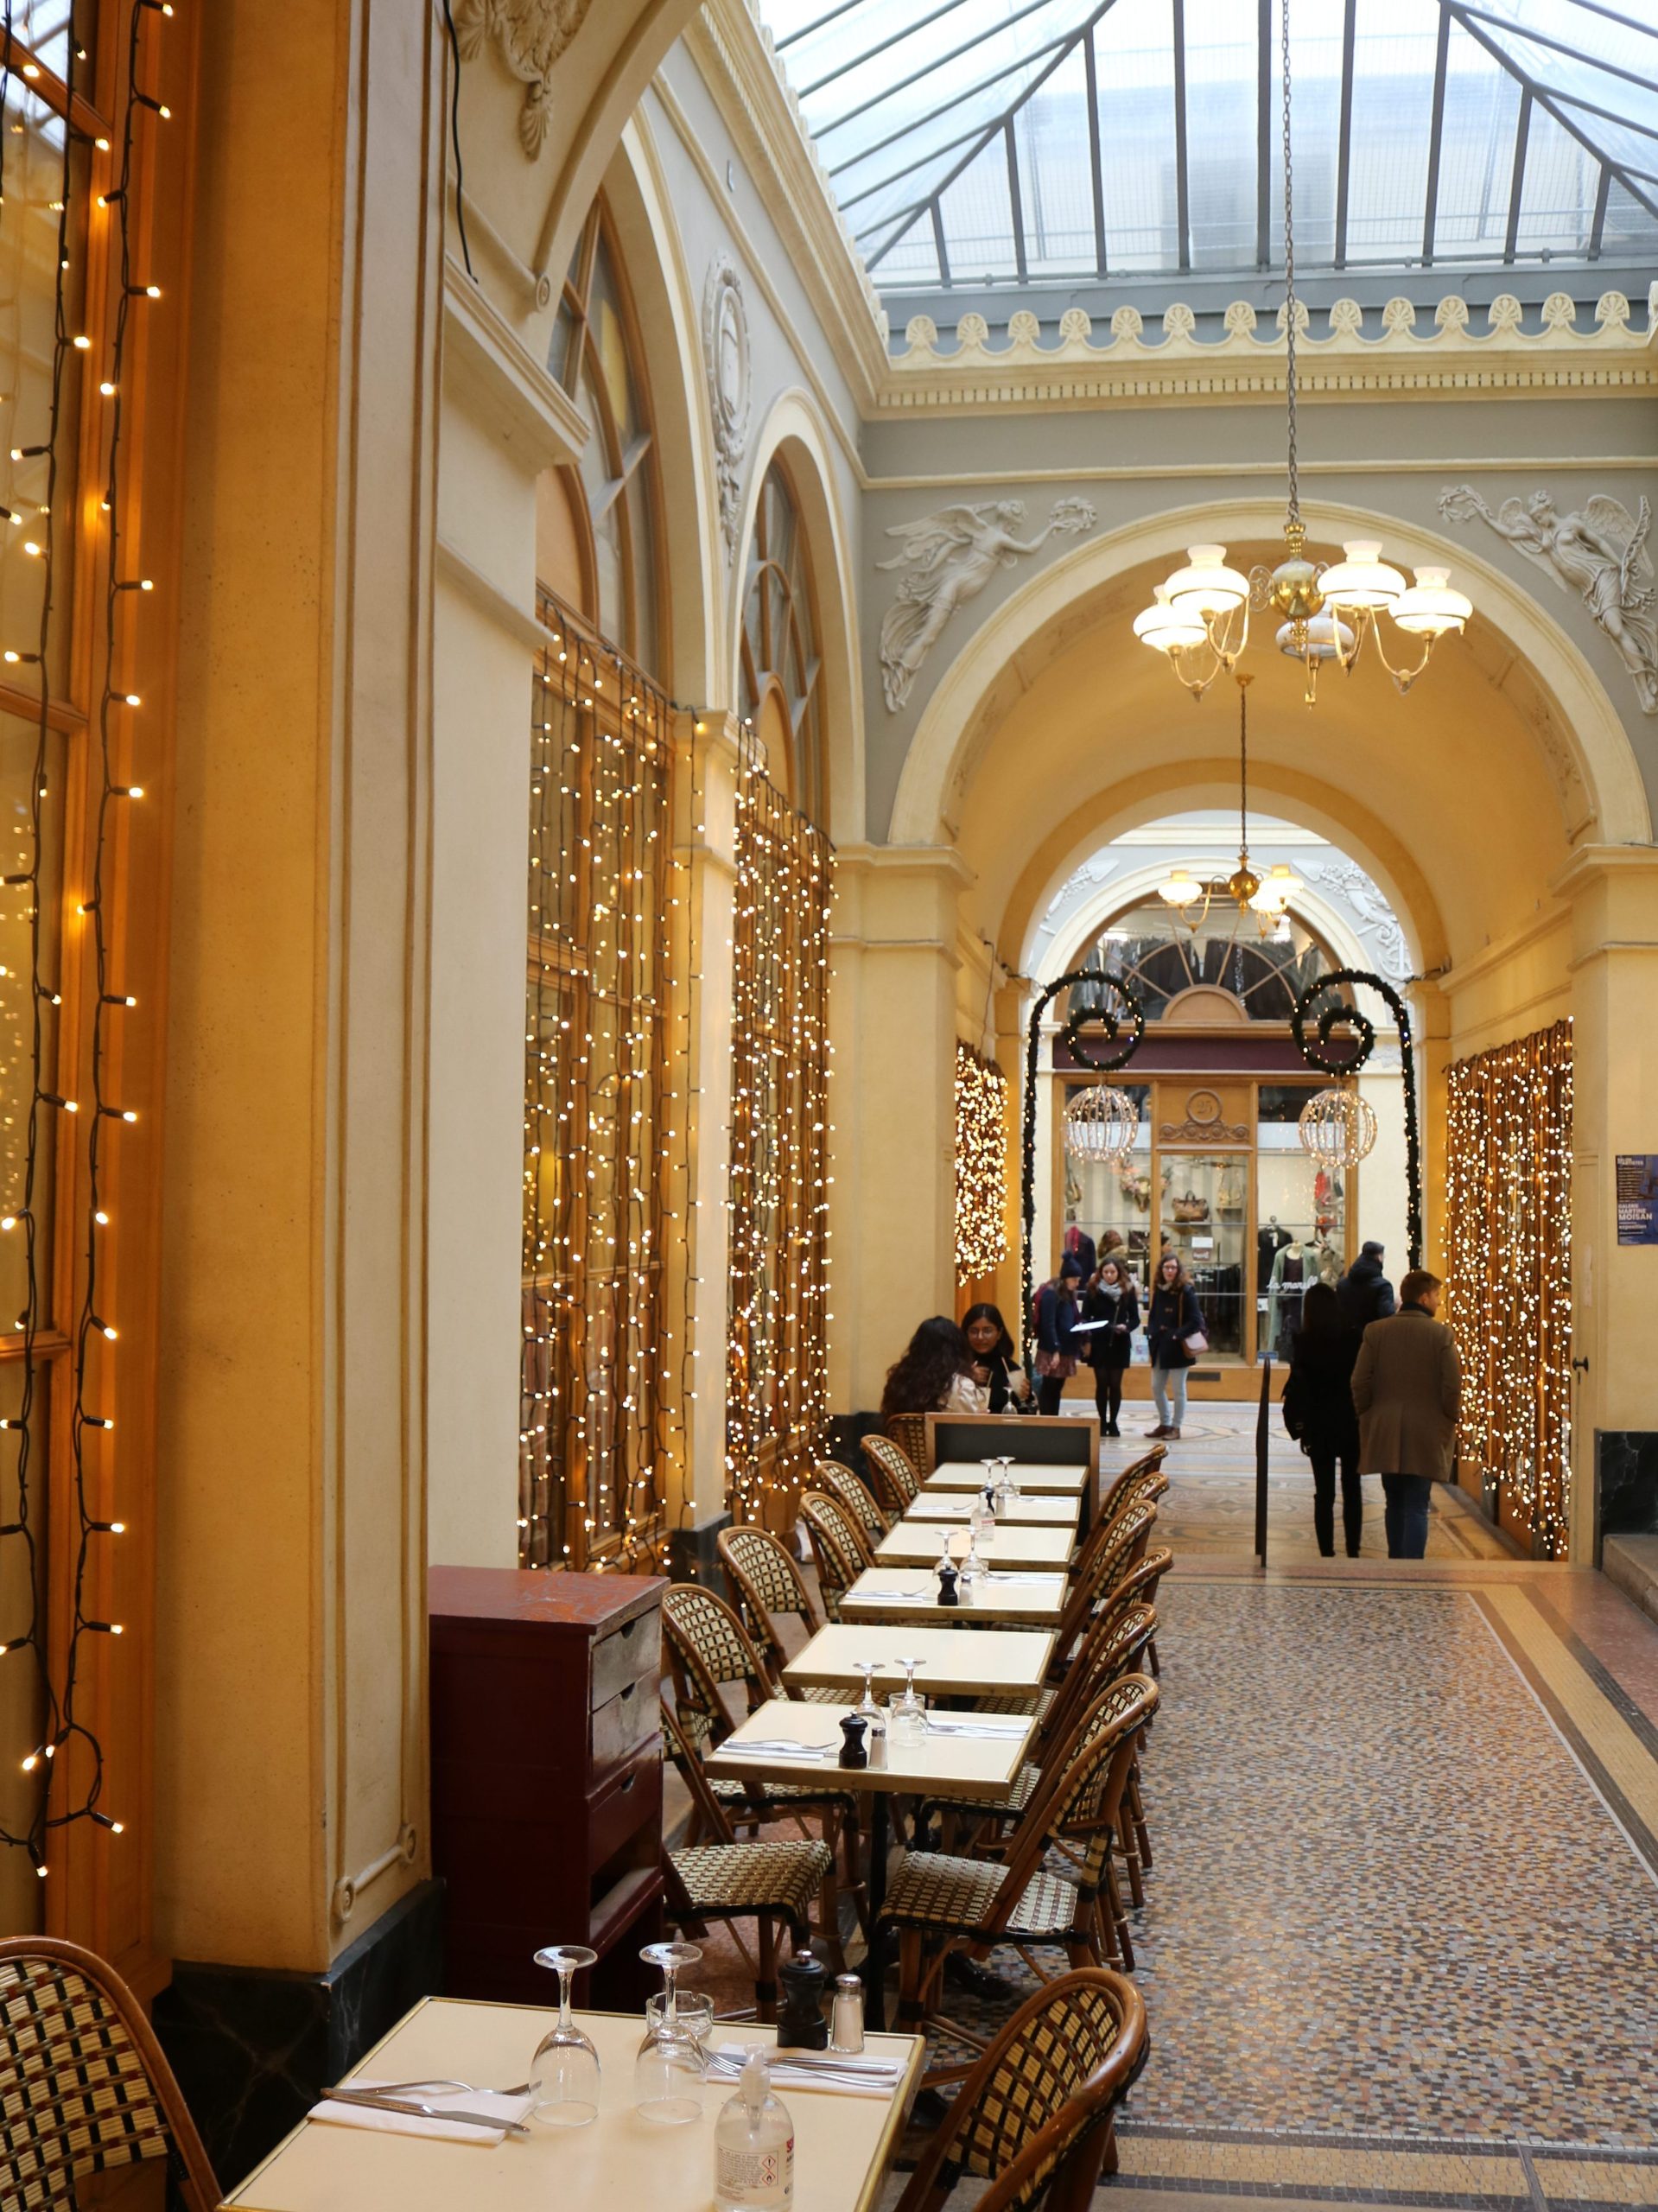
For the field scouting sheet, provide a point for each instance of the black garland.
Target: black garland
(1131, 1019)
(1339, 1015)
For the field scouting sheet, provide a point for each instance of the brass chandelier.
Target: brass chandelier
(1200, 619)
(1266, 896)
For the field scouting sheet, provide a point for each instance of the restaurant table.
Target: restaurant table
(1025, 1512)
(1070, 1480)
(919, 1542)
(842, 2144)
(956, 1661)
(1015, 1597)
(945, 1765)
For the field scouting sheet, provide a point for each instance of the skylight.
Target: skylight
(976, 142)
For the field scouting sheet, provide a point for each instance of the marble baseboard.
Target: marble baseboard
(1626, 1483)
(253, 2050)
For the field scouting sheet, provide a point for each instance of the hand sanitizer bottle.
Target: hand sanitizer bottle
(754, 2145)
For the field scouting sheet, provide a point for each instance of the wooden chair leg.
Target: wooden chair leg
(911, 2008)
(1137, 1814)
(1117, 1917)
(850, 1843)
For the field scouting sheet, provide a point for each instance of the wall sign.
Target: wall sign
(1637, 1198)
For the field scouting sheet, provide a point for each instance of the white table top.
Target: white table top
(1061, 1512)
(1069, 1480)
(898, 1593)
(920, 1542)
(942, 1766)
(960, 1662)
(842, 2144)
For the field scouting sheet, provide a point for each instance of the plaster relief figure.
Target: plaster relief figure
(726, 358)
(947, 558)
(1376, 917)
(1600, 552)
(532, 35)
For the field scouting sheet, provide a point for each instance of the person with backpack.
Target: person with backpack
(1317, 1410)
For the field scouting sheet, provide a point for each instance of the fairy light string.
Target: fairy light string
(981, 1165)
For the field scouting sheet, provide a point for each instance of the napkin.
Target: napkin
(483, 2102)
(881, 2080)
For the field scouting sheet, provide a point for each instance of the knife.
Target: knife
(416, 2110)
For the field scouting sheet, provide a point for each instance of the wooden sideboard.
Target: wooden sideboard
(546, 1776)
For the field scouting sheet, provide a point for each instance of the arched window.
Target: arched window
(598, 537)
(1157, 957)
(782, 665)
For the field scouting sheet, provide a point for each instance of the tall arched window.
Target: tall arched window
(1157, 957)
(782, 663)
(598, 538)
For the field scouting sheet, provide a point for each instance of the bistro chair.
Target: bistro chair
(1145, 1478)
(939, 1903)
(766, 1584)
(837, 1546)
(854, 1493)
(707, 1647)
(1034, 2116)
(909, 1432)
(88, 2087)
(897, 1484)
(770, 1882)
(1121, 1547)
(1142, 1582)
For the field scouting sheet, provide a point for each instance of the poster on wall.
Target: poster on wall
(1637, 1198)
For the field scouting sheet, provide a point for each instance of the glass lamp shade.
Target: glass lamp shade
(1206, 586)
(1180, 888)
(1101, 1125)
(1326, 639)
(1280, 886)
(1165, 629)
(1363, 579)
(1430, 607)
(1338, 1129)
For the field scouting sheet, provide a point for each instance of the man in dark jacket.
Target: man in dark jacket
(1407, 1392)
(1364, 1291)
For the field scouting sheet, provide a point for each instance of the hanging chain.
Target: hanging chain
(1294, 514)
(1243, 769)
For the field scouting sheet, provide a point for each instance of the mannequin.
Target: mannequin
(1270, 1240)
(1292, 1269)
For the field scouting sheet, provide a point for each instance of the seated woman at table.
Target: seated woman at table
(996, 1361)
(935, 1375)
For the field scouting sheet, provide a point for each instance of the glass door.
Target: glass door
(1109, 1206)
(1302, 1211)
(1203, 1218)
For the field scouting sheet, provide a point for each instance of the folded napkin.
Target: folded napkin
(864, 2077)
(483, 2102)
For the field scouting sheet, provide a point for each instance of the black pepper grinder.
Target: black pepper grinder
(948, 1579)
(852, 1730)
(801, 2024)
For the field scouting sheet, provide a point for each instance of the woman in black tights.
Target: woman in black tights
(1110, 1300)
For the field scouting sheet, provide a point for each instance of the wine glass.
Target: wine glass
(671, 2065)
(1007, 1475)
(909, 1715)
(867, 1709)
(564, 2072)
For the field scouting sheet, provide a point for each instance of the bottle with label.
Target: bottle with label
(754, 2145)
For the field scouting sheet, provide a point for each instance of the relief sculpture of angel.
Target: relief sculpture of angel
(1599, 552)
(947, 558)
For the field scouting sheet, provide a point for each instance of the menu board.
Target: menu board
(1637, 1198)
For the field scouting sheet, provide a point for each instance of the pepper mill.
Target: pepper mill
(947, 1579)
(852, 1730)
(804, 1982)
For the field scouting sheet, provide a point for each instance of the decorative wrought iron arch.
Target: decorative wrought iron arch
(1316, 1051)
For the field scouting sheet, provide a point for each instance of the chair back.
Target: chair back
(896, 1481)
(1122, 1545)
(1083, 1802)
(764, 1581)
(88, 2086)
(837, 1548)
(1139, 1584)
(709, 1646)
(687, 1758)
(1111, 1647)
(1033, 2116)
(909, 1432)
(851, 1492)
(1128, 1484)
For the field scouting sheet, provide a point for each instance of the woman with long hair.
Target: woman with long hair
(1318, 1414)
(1111, 1303)
(935, 1375)
(1056, 1343)
(995, 1360)
(1173, 1319)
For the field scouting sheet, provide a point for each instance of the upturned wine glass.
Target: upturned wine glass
(564, 2072)
(672, 2064)
(908, 1716)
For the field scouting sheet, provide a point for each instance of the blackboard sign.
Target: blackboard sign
(1637, 1198)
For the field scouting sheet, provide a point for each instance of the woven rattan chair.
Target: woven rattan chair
(1034, 2116)
(897, 1482)
(909, 1432)
(709, 1647)
(838, 1548)
(1145, 1475)
(766, 1584)
(1123, 1546)
(87, 2088)
(852, 1492)
(1142, 1582)
(939, 1903)
(770, 1882)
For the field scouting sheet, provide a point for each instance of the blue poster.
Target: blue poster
(1637, 1198)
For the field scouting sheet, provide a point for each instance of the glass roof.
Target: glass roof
(976, 142)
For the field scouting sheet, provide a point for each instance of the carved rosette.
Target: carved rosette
(726, 358)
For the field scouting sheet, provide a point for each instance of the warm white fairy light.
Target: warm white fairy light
(981, 1165)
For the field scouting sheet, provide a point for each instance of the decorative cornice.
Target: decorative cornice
(533, 416)
(1242, 363)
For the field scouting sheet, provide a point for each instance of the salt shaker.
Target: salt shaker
(846, 2028)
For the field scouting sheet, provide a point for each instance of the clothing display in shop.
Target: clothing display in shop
(1269, 1241)
(1220, 1291)
(1328, 1261)
(1230, 1192)
(1078, 1245)
(1292, 1272)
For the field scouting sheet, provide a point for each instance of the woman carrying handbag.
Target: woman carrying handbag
(1111, 1303)
(1175, 1339)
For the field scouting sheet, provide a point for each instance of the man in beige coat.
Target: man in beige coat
(1407, 1390)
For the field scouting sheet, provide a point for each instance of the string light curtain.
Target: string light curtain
(1509, 1241)
(981, 1165)
(78, 153)
(777, 1388)
(599, 1422)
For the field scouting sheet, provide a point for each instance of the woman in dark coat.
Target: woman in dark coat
(995, 1360)
(1056, 1343)
(1173, 1317)
(1111, 1300)
(1318, 1414)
